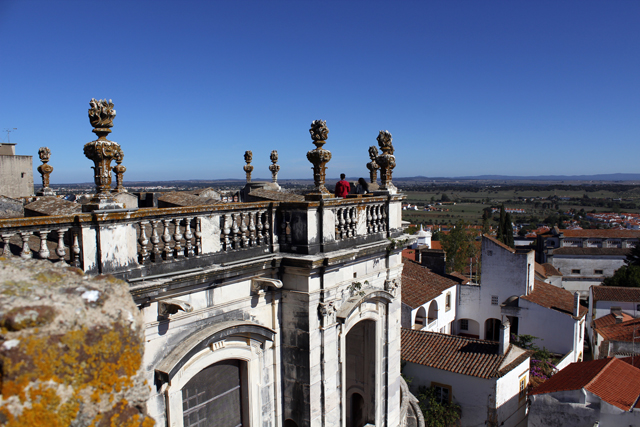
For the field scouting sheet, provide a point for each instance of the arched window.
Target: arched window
(421, 318)
(447, 302)
(433, 311)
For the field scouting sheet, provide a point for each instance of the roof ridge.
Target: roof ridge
(604, 368)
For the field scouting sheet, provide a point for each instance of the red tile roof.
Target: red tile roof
(467, 356)
(420, 285)
(435, 244)
(592, 251)
(614, 381)
(610, 319)
(409, 254)
(550, 296)
(615, 293)
(625, 331)
(499, 243)
(550, 270)
(602, 234)
(461, 277)
(540, 271)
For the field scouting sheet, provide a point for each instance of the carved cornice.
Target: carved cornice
(262, 283)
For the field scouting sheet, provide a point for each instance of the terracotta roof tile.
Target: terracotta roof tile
(592, 251)
(613, 380)
(550, 270)
(435, 244)
(624, 331)
(602, 234)
(467, 356)
(421, 285)
(609, 319)
(540, 271)
(409, 254)
(550, 296)
(615, 293)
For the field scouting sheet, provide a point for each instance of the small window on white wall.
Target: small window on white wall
(494, 299)
(464, 324)
(447, 302)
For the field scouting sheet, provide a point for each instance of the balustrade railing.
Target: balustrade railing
(115, 241)
(55, 239)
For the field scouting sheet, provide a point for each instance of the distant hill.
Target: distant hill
(598, 177)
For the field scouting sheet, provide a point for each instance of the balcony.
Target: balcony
(137, 243)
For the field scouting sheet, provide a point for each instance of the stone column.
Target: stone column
(248, 156)
(119, 170)
(372, 165)
(101, 152)
(45, 170)
(386, 161)
(274, 168)
(319, 157)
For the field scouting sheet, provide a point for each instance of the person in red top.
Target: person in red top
(342, 187)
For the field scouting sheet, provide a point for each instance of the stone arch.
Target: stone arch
(433, 311)
(421, 318)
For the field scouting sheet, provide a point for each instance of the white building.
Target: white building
(600, 393)
(428, 299)
(612, 301)
(509, 291)
(487, 379)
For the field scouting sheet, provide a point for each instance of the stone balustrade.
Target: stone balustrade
(137, 243)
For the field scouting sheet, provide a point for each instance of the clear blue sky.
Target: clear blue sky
(465, 87)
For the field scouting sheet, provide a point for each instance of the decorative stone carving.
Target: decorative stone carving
(172, 306)
(274, 168)
(386, 160)
(119, 170)
(101, 152)
(372, 165)
(262, 283)
(319, 157)
(391, 286)
(45, 170)
(328, 310)
(248, 156)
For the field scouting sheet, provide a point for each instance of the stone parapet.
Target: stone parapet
(71, 348)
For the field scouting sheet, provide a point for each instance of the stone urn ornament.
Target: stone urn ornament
(386, 161)
(45, 170)
(319, 157)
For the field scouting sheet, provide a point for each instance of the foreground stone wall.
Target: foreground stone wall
(71, 348)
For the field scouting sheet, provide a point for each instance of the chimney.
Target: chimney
(576, 304)
(505, 333)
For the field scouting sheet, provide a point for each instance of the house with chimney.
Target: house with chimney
(487, 379)
(510, 292)
(611, 322)
(604, 393)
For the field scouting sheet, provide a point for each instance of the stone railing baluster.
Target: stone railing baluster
(252, 228)
(167, 253)
(259, 228)
(6, 248)
(177, 237)
(267, 226)
(235, 229)
(156, 255)
(143, 256)
(26, 251)
(354, 221)
(385, 223)
(341, 222)
(44, 248)
(75, 249)
(61, 251)
(243, 231)
(198, 234)
(188, 235)
(226, 231)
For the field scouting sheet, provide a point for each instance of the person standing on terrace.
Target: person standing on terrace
(342, 187)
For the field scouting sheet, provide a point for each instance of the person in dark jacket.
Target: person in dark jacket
(342, 187)
(362, 187)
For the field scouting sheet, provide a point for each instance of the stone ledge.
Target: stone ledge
(71, 348)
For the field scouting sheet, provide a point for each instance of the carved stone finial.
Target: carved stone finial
(274, 168)
(319, 157)
(119, 170)
(248, 156)
(386, 160)
(101, 152)
(101, 115)
(45, 170)
(372, 165)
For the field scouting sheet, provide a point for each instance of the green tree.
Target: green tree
(508, 231)
(444, 198)
(437, 414)
(501, 223)
(627, 276)
(633, 258)
(459, 246)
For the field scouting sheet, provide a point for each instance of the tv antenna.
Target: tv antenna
(8, 131)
